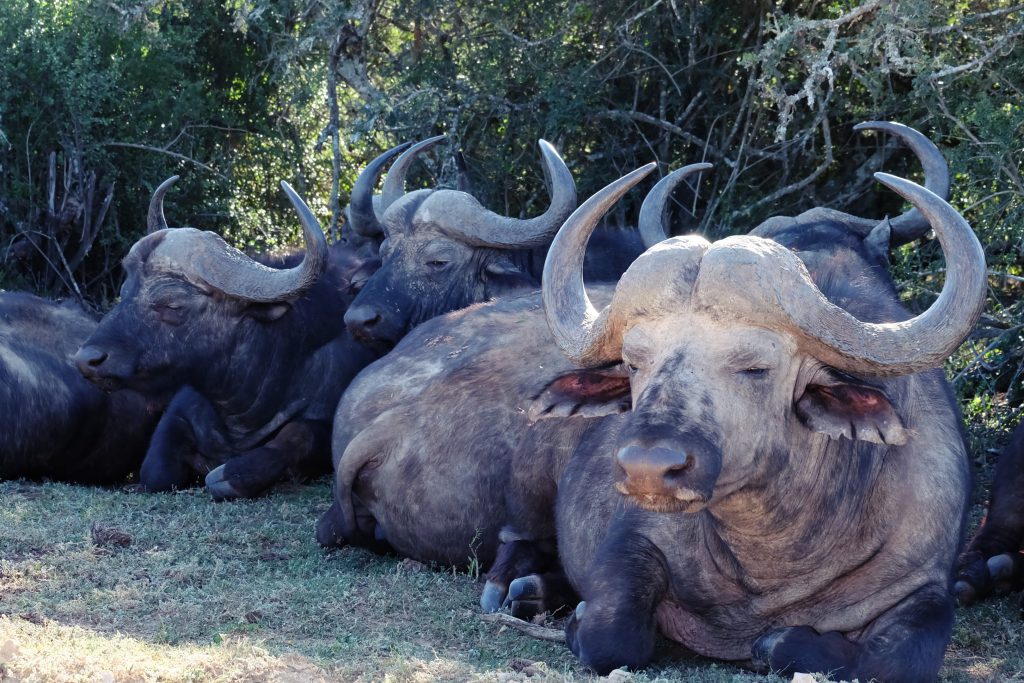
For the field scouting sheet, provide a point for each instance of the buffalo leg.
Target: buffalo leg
(615, 625)
(294, 449)
(170, 458)
(905, 644)
(527, 578)
(993, 559)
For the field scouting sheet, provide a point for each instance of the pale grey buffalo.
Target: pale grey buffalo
(448, 440)
(787, 482)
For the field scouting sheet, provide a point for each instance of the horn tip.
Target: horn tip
(900, 186)
(167, 183)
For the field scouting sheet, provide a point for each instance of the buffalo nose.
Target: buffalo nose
(658, 466)
(89, 358)
(361, 318)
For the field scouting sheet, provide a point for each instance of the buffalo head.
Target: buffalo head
(443, 250)
(187, 298)
(728, 351)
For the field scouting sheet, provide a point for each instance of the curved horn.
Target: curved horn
(394, 181)
(926, 340)
(363, 218)
(238, 276)
(580, 331)
(463, 215)
(155, 219)
(652, 211)
(464, 185)
(762, 281)
(911, 225)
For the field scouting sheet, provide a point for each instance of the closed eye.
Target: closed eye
(754, 372)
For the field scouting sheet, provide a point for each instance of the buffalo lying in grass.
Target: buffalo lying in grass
(53, 423)
(993, 560)
(787, 480)
(257, 356)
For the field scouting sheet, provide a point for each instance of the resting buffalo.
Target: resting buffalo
(258, 356)
(993, 560)
(429, 442)
(787, 480)
(53, 423)
(445, 251)
(393, 487)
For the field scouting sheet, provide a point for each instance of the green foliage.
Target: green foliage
(236, 95)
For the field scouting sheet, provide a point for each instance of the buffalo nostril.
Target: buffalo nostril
(362, 317)
(90, 357)
(653, 464)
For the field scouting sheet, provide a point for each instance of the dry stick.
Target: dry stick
(977, 359)
(553, 635)
(148, 148)
(335, 134)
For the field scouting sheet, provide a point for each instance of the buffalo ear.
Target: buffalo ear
(583, 393)
(502, 276)
(841, 406)
(268, 313)
(878, 242)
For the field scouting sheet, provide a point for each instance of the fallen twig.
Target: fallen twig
(554, 635)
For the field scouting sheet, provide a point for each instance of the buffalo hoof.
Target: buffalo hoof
(219, 487)
(525, 598)
(1002, 567)
(492, 598)
(964, 593)
(801, 648)
(328, 528)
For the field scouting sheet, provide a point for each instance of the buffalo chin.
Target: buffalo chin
(681, 500)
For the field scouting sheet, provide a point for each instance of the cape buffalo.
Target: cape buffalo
(53, 423)
(445, 251)
(258, 356)
(432, 488)
(788, 480)
(994, 559)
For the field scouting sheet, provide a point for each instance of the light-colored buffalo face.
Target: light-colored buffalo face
(732, 354)
(700, 388)
(443, 251)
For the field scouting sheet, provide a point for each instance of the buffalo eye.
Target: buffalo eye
(754, 373)
(171, 313)
(437, 264)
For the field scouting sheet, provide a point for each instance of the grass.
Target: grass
(103, 585)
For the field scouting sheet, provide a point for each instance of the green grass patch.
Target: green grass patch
(104, 585)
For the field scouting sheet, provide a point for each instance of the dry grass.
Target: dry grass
(105, 585)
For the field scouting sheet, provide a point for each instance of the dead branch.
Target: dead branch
(553, 635)
(149, 148)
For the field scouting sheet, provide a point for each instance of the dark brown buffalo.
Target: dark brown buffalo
(787, 485)
(53, 423)
(444, 251)
(993, 560)
(257, 356)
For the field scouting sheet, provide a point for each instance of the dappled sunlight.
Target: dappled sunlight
(54, 652)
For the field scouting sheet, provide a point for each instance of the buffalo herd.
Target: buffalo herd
(747, 445)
